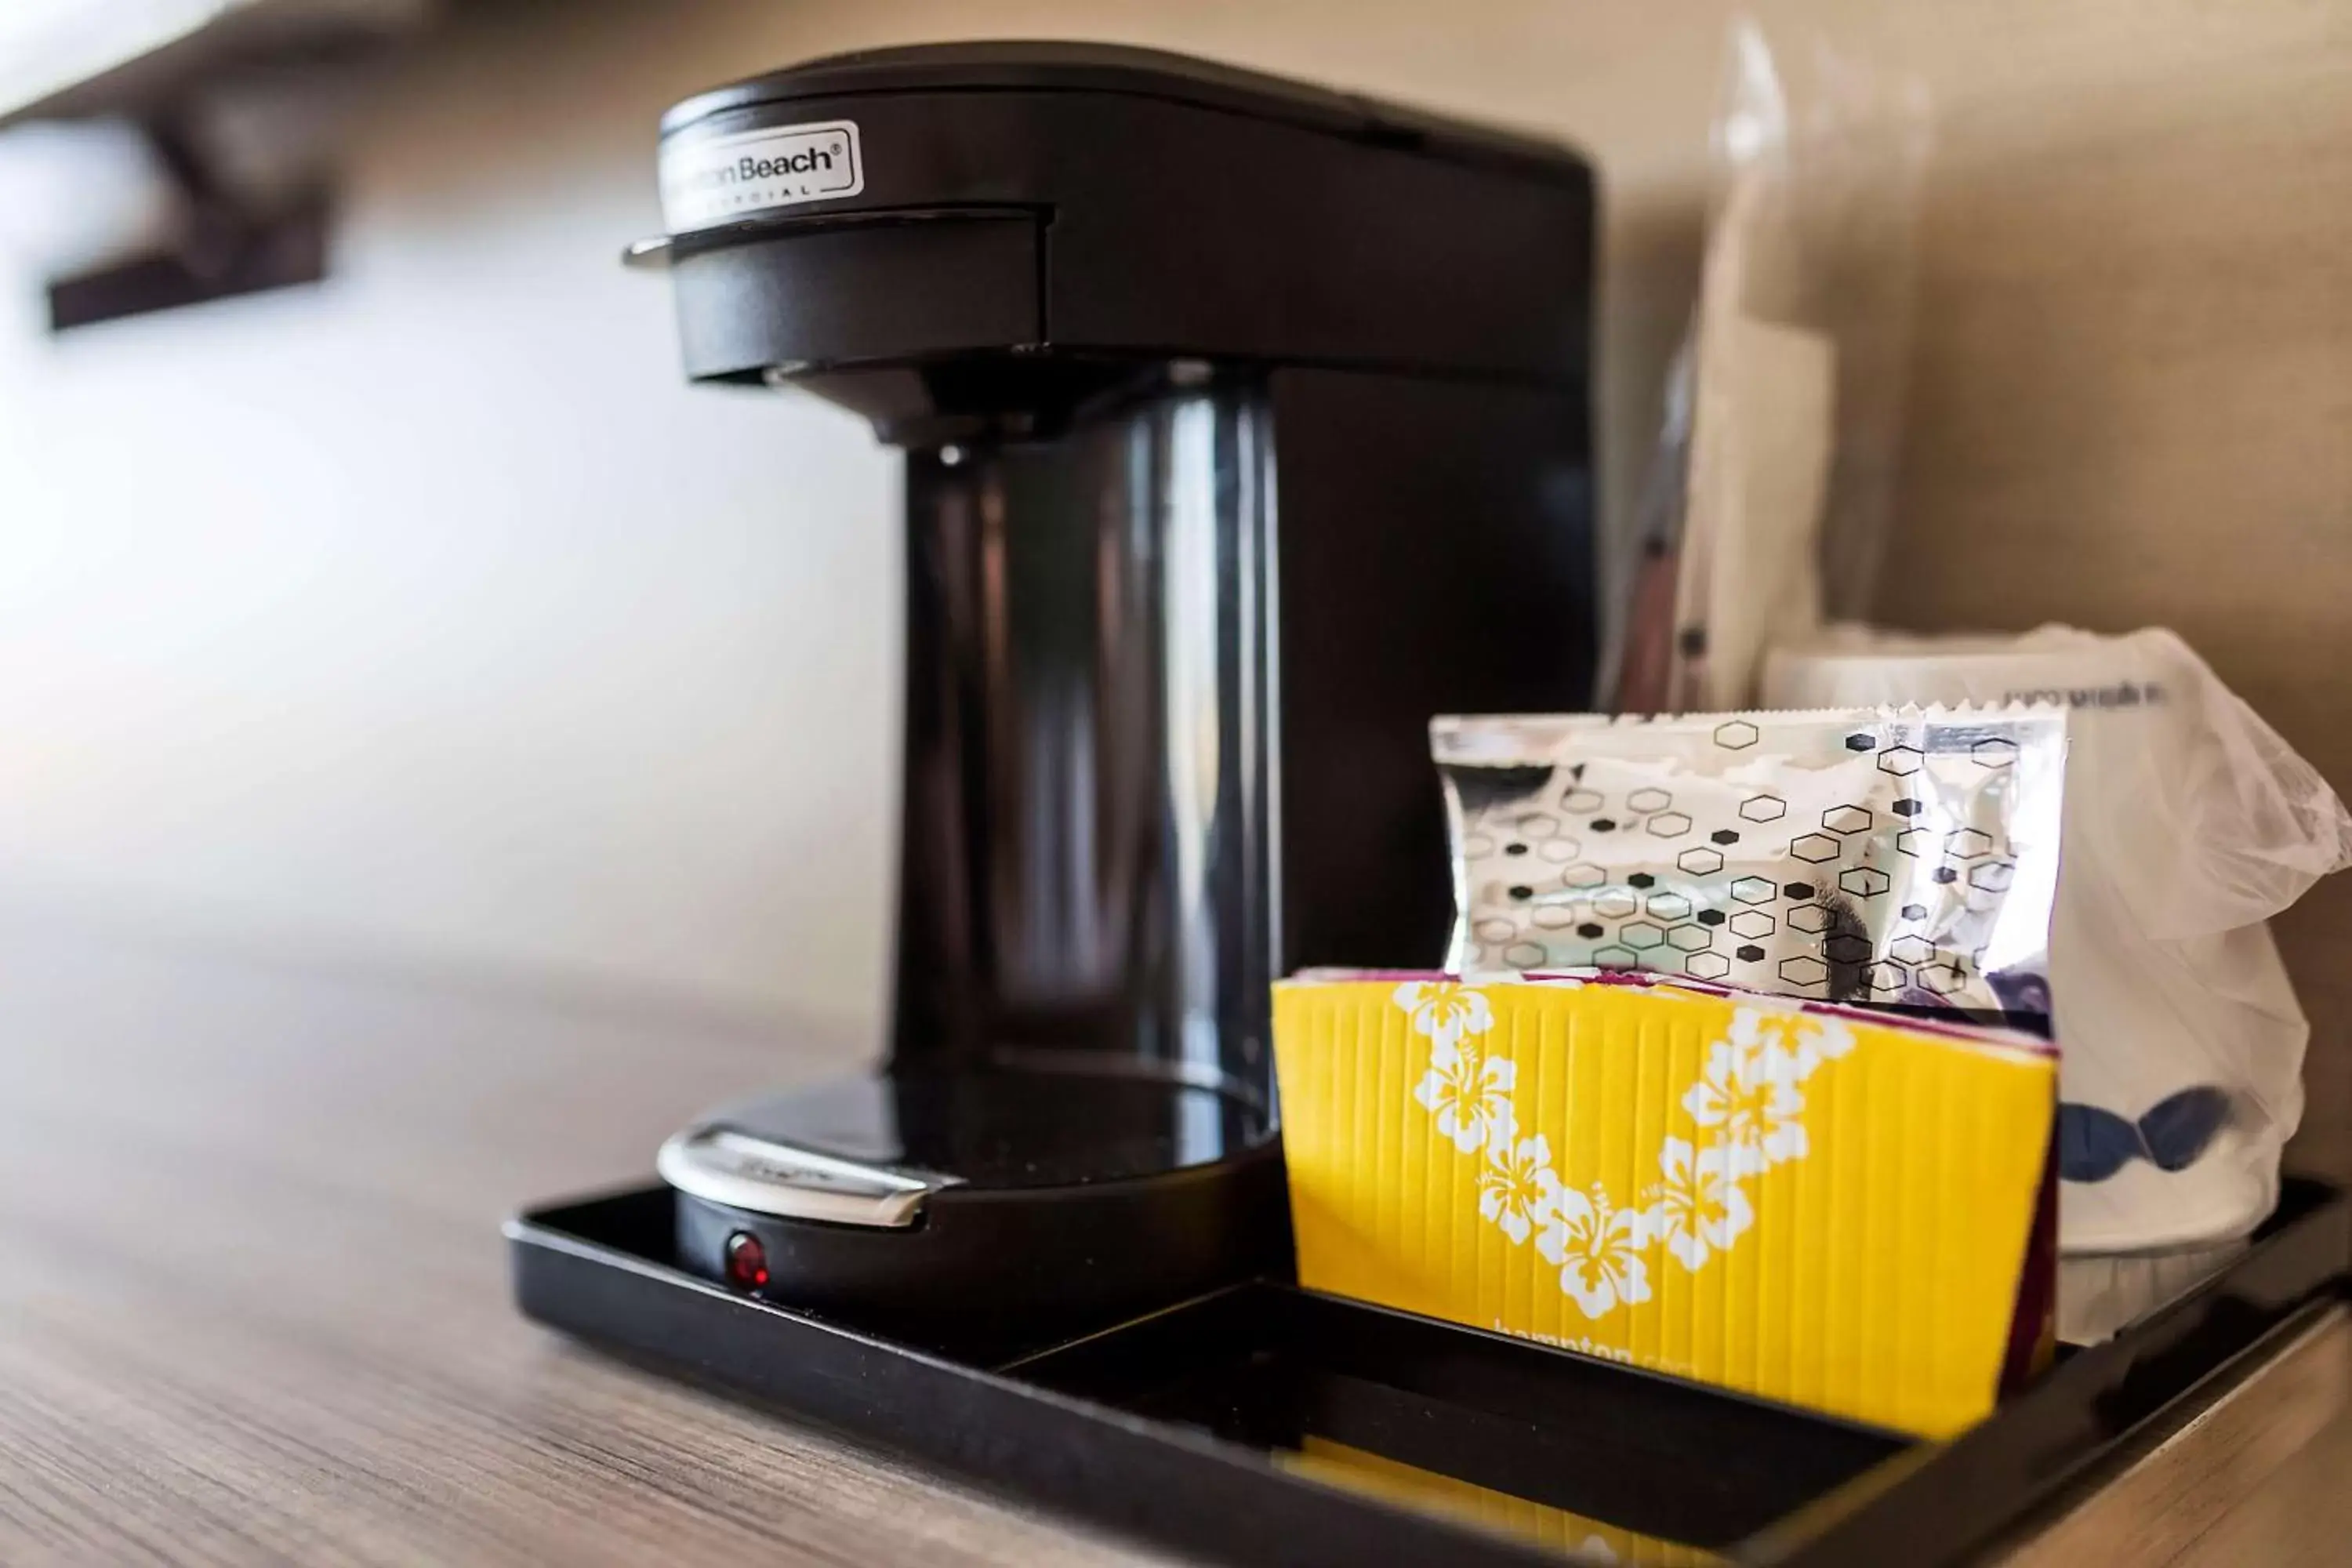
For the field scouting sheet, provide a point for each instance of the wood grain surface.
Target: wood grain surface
(254, 1307)
(253, 1298)
(2257, 1476)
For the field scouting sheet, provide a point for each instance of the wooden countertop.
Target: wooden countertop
(2258, 1475)
(254, 1303)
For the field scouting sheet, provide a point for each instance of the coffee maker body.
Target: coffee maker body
(1245, 429)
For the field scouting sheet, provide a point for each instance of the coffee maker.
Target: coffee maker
(1245, 428)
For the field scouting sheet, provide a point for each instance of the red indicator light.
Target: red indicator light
(747, 1261)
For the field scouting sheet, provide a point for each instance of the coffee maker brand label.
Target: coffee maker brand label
(710, 180)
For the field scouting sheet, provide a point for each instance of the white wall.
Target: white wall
(427, 615)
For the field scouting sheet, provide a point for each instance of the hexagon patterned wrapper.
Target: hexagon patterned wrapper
(1902, 855)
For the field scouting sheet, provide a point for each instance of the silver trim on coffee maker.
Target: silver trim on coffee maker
(726, 1166)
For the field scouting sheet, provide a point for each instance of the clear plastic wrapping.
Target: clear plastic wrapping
(1767, 495)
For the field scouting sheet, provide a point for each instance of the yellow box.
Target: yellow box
(1807, 1203)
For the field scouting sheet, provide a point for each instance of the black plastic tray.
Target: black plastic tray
(1268, 1425)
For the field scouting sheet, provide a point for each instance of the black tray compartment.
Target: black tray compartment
(1266, 1425)
(1365, 1394)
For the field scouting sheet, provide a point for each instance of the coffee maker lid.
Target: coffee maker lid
(1021, 202)
(1046, 64)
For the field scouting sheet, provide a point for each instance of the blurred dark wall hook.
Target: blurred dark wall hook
(226, 242)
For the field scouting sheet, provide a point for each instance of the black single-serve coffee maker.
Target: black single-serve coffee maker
(1245, 429)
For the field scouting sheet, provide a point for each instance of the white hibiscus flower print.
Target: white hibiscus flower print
(1699, 1209)
(1470, 1094)
(1800, 1041)
(1825, 1040)
(1598, 1247)
(1516, 1184)
(1445, 1010)
(1749, 1096)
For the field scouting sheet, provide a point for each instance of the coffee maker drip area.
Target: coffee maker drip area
(1321, 1121)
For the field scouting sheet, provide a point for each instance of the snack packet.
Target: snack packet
(1890, 856)
(1833, 1207)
